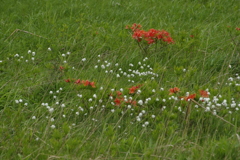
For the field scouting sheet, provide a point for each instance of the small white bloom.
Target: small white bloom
(63, 105)
(53, 126)
(94, 96)
(52, 119)
(63, 55)
(146, 123)
(140, 102)
(29, 51)
(51, 92)
(90, 99)
(68, 53)
(25, 104)
(49, 49)
(51, 110)
(64, 61)
(77, 113)
(164, 100)
(32, 58)
(64, 115)
(153, 90)
(84, 59)
(112, 110)
(102, 66)
(153, 116)
(33, 117)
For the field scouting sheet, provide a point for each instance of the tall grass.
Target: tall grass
(46, 43)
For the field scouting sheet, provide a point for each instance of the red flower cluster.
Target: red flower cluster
(133, 89)
(174, 90)
(203, 94)
(238, 29)
(119, 99)
(84, 82)
(150, 36)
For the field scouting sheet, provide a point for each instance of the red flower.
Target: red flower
(61, 68)
(118, 101)
(67, 80)
(92, 84)
(78, 81)
(191, 96)
(119, 93)
(238, 29)
(204, 93)
(133, 89)
(174, 90)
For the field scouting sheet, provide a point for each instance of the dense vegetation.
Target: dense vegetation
(76, 83)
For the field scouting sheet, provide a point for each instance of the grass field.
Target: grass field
(76, 84)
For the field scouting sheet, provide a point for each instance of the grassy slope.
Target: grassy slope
(88, 29)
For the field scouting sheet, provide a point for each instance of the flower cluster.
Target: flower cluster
(119, 99)
(151, 36)
(203, 94)
(84, 82)
(133, 89)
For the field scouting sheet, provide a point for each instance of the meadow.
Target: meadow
(151, 79)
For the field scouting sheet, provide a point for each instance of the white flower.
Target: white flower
(90, 99)
(153, 116)
(79, 95)
(164, 100)
(64, 115)
(140, 102)
(63, 55)
(33, 117)
(62, 105)
(153, 90)
(32, 58)
(112, 110)
(84, 59)
(146, 123)
(25, 104)
(94, 96)
(68, 53)
(51, 92)
(77, 113)
(52, 119)
(49, 49)
(29, 51)
(102, 66)
(53, 126)
(51, 110)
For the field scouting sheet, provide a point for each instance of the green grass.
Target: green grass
(44, 117)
